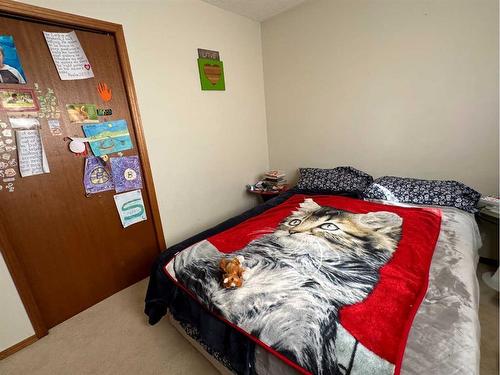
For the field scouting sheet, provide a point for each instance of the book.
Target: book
(274, 174)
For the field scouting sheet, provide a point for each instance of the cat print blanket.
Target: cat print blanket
(331, 284)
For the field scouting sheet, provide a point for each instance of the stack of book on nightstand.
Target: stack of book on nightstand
(273, 181)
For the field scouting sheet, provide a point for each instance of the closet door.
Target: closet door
(72, 248)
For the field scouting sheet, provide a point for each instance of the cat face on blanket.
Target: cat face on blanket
(298, 277)
(378, 230)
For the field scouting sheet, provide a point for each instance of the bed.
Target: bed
(439, 334)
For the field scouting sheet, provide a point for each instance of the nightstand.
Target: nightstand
(266, 195)
(487, 221)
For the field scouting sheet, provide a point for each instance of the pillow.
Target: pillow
(429, 192)
(340, 179)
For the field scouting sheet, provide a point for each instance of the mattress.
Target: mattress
(444, 337)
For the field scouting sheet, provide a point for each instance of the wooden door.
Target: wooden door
(71, 248)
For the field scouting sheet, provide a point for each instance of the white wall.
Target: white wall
(203, 146)
(407, 88)
(14, 323)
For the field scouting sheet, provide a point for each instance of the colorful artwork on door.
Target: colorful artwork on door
(126, 173)
(108, 137)
(96, 178)
(130, 207)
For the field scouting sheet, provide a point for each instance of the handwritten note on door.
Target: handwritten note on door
(69, 57)
(130, 207)
(32, 158)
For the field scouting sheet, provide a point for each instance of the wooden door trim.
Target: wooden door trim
(31, 12)
(139, 133)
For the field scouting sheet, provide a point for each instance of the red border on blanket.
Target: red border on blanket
(351, 317)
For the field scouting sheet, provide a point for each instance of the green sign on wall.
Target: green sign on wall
(211, 74)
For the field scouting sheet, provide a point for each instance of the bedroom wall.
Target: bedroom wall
(203, 146)
(405, 88)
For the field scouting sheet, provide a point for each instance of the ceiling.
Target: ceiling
(258, 10)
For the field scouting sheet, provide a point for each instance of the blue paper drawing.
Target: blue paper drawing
(108, 137)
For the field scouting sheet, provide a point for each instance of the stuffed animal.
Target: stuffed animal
(232, 272)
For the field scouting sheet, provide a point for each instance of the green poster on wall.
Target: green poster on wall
(211, 74)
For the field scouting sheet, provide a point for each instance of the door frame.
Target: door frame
(31, 12)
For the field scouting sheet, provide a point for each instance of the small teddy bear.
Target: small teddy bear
(232, 272)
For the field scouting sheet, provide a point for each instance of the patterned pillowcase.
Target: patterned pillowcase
(428, 192)
(345, 179)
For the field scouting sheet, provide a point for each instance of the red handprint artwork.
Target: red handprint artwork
(104, 91)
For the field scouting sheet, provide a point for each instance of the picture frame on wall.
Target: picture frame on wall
(21, 100)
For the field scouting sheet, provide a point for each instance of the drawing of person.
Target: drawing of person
(8, 74)
(13, 99)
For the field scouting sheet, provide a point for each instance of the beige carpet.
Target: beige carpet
(113, 337)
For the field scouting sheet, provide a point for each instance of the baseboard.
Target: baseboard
(15, 348)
